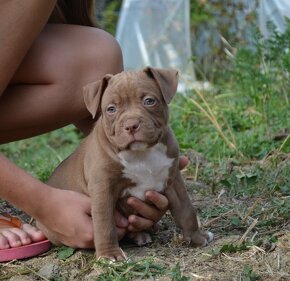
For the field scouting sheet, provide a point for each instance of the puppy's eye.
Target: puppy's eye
(111, 109)
(149, 101)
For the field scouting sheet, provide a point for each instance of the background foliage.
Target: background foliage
(211, 21)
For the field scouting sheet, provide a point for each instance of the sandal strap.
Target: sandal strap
(8, 220)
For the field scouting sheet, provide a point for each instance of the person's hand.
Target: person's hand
(148, 213)
(66, 216)
(121, 225)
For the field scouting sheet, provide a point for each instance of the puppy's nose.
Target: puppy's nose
(132, 125)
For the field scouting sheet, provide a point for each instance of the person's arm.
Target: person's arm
(20, 23)
(65, 213)
(21, 189)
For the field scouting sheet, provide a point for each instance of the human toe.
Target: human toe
(12, 238)
(34, 233)
(23, 236)
(4, 244)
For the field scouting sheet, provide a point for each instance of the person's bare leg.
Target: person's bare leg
(20, 22)
(46, 91)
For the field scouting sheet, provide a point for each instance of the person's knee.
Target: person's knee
(113, 55)
(103, 55)
(72, 55)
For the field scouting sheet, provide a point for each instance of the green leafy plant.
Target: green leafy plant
(248, 274)
(65, 252)
(177, 275)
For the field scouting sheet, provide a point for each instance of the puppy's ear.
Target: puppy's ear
(93, 93)
(166, 79)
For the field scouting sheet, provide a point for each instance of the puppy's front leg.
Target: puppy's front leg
(105, 233)
(184, 214)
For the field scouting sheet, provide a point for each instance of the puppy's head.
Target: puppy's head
(132, 106)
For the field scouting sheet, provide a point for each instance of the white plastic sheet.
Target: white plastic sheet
(273, 11)
(156, 33)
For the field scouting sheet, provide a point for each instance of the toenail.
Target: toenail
(26, 240)
(18, 242)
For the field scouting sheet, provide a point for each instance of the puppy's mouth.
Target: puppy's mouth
(137, 145)
(140, 144)
(139, 141)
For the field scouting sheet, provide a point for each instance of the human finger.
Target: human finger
(183, 162)
(159, 200)
(137, 223)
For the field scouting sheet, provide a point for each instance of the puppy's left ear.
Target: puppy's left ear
(93, 93)
(166, 79)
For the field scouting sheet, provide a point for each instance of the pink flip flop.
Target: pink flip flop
(26, 251)
(22, 252)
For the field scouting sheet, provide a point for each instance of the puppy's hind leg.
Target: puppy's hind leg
(184, 214)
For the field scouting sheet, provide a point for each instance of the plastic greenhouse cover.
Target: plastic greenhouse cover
(156, 33)
(273, 11)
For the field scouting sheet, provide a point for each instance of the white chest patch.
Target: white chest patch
(148, 169)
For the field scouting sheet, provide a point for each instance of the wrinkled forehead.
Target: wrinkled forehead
(129, 84)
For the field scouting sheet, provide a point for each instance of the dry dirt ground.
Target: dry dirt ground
(167, 258)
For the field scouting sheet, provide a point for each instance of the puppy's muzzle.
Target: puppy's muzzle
(132, 126)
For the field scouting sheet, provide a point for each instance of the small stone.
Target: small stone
(49, 271)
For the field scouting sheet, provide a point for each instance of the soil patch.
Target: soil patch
(167, 258)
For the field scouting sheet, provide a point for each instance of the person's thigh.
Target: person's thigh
(20, 23)
(46, 91)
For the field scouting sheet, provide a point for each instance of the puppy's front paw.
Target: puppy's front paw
(140, 238)
(114, 254)
(199, 238)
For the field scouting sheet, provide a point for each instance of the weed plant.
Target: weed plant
(247, 107)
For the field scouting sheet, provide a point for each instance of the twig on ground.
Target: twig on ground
(251, 209)
(253, 224)
(216, 218)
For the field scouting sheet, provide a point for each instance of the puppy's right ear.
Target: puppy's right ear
(93, 93)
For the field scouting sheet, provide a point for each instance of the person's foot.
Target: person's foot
(12, 236)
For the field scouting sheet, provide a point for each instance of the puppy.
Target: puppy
(130, 150)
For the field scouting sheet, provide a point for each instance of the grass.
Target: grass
(237, 138)
(247, 109)
(41, 154)
(127, 270)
